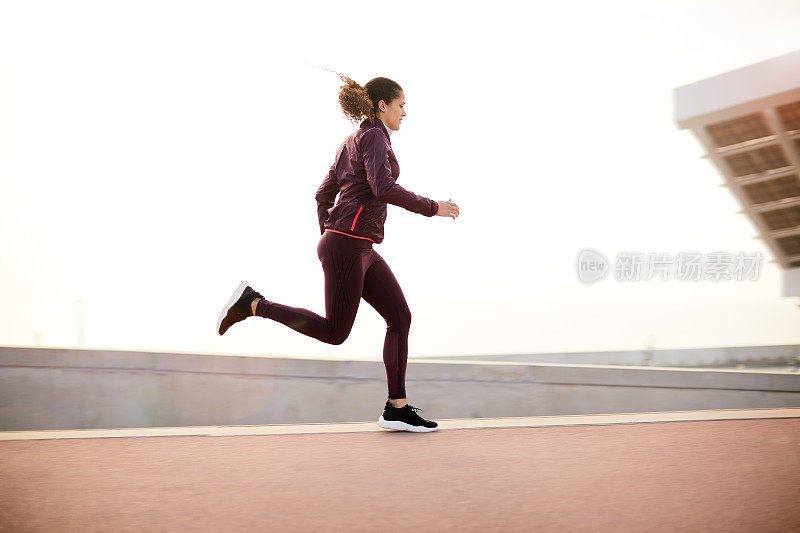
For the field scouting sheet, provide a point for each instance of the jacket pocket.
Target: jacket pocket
(352, 227)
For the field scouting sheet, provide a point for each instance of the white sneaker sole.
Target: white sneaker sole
(402, 426)
(235, 296)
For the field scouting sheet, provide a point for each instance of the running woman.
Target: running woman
(364, 175)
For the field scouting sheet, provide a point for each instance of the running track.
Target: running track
(697, 475)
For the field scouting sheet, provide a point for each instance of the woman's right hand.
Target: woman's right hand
(448, 209)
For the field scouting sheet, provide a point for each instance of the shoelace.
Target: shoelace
(414, 412)
(412, 408)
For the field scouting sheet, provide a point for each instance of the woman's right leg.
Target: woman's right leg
(342, 266)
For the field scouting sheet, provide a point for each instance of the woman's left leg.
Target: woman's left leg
(382, 292)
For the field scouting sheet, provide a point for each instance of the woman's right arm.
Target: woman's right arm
(327, 192)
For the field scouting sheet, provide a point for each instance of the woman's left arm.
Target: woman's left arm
(383, 185)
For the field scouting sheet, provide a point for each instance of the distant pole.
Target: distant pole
(79, 322)
(37, 338)
(648, 350)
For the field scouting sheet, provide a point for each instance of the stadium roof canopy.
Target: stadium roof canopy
(748, 122)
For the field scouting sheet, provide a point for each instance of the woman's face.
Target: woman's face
(393, 113)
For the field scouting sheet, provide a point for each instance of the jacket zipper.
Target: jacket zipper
(352, 227)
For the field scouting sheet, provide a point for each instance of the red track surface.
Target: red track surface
(733, 475)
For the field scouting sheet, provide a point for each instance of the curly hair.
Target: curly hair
(359, 102)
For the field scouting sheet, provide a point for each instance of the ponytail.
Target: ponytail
(359, 103)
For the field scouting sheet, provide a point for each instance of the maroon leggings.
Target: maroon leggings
(353, 270)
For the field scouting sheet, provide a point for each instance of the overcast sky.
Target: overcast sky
(155, 154)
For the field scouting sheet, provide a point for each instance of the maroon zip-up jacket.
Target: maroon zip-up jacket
(365, 173)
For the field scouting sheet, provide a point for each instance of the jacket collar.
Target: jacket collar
(377, 123)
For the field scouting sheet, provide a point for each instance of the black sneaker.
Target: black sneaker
(238, 307)
(404, 419)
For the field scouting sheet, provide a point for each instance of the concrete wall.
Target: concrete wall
(726, 356)
(47, 388)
